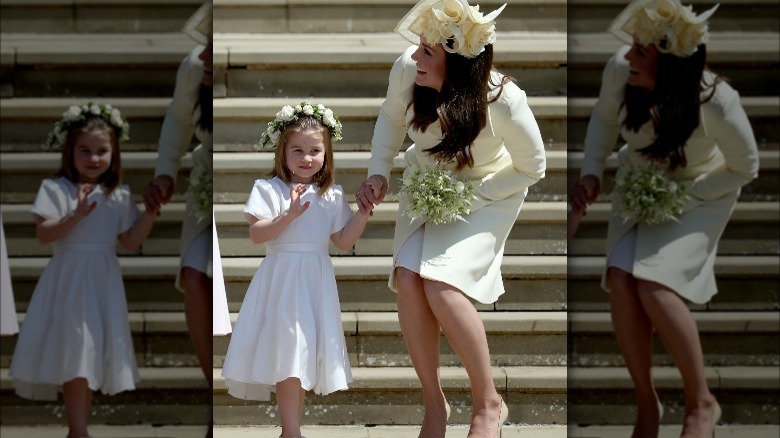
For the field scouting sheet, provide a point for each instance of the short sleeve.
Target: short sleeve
(51, 200)
(263, 202)
(129, 211)
(342, 213)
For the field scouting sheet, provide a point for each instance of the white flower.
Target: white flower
(459, 186)
(108, 107)
(274, 136)
(286, 114)
(328, 118)
(321, 107)
(72, 114)
(94, 109)
(298, 108)
(308, 110)
(61, 137)
(116, 118)
(670, 26)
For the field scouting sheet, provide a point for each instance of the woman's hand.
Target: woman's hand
(158, 192)
(296, 209)
(584, 192)
(371, 193)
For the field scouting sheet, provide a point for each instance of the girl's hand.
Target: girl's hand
(84, 207)
(296, 209)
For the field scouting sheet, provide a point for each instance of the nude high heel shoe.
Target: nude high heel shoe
(503, 413)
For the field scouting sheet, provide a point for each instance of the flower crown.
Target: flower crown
(77, 115)
(289, 114)
(440, 21)
(670, 26)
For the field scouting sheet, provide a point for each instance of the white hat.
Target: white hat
(670, 26)
(199, 26)
(442, 20)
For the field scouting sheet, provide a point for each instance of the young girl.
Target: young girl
(76, 335)
(289, 337)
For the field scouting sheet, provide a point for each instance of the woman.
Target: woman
(676, 115)
(460, 113)
(190, 112)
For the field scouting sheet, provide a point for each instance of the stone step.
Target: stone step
(28, 121)
(149, 282)
(749, 59)
(160, 340)
(531, 283)
(674, 430)
(374, 339)
(728, 339)
(172, 396)
(378, 431)
(22, 242)
(763, 112)
(358, 64)
(24, 172)
(108, 431)
(235, 174)
(605, 396)
(104, 16)
(325, 16)
(61, 65)
(384, 396)
(745, 283)
(763, 188)
(732, 15)
(752, 230)
(539, 230)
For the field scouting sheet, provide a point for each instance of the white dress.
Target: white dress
(76, 324)
(220, 316)
(290, 321)
(8, 323)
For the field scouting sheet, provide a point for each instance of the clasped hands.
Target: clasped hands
(370, 193)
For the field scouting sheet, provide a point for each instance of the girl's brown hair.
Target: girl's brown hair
(673, 105)
(327, 175)
(461, 105)
(112, 177)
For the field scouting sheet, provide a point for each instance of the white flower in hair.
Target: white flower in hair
(72, 114)
(76, 116)
(667, 24)
(286, 113)
(289, 114)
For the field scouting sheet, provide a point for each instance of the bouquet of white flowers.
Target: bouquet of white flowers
(649, 196)
(436, 194)
(201, 189)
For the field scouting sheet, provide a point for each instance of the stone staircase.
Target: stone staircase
(740, 326)
(339, 53)
(54, 54)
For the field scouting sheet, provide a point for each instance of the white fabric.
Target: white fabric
(221, 315)
(76, 324)
(508, 158)
(290, 324)
(179, 125)
(410, 254)
(722, 157)
(8, 322)
(198, 254)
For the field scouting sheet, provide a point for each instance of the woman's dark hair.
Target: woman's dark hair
(673, 105)
(461, 105)
(206, 102)
(112, 177)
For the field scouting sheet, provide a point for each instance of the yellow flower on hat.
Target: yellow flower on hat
(457, 26)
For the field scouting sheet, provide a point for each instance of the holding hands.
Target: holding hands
(158, 192)
(583, 193)
(370, 193)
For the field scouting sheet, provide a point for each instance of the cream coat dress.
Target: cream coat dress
(722, 157)
(508, 158)
(175, 137)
